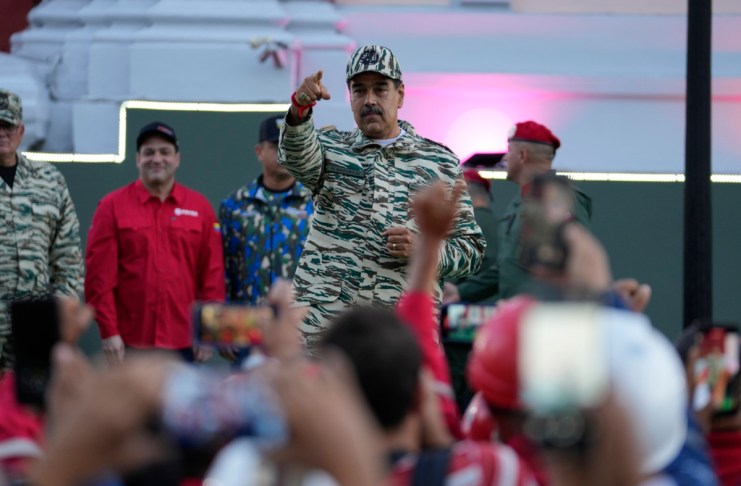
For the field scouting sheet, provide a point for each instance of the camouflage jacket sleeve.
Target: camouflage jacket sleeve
(300, 152)
(463, 251)
(65, 255)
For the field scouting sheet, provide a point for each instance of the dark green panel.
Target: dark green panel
(639, 223)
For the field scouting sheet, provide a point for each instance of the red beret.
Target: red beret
(472, 175)
(531, 131)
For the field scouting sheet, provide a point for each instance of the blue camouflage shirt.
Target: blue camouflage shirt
(263, 233)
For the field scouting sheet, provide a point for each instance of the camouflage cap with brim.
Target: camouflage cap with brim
(376, 59)
(11, 109)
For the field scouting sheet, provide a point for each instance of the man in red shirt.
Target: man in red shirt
(153, 248)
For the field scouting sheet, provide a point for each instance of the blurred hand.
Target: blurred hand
(435, 208)
(450, 293)
(587, 267)
(281, 337)
(331, 427)
(75, 317)
(633, 293)
(114, 350)
(400, 241)
(98, 419)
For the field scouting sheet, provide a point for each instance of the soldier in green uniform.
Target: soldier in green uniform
(40, 234)
(363, 181)
(532, 148)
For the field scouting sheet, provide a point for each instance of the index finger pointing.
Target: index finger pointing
(318, 76)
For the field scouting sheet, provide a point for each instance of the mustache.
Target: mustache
(371, 110)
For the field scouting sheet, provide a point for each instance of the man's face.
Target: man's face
(515, 159)
(10, 137)
(267, 154)
(375, 102)
(157, 161)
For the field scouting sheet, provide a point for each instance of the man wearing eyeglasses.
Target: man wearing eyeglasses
(39, 230)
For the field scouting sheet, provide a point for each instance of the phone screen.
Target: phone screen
(35, 326)
(562, 357)
(224, 325)
(717, 368)
(460, 322)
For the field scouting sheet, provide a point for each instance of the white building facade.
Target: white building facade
(606, 76)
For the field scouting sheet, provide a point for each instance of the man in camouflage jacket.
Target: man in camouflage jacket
(363, 181)
(40, 233)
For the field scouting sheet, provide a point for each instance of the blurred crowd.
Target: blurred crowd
(377, 323)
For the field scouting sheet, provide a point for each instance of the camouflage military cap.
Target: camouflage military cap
(377, 59)
(11, 110)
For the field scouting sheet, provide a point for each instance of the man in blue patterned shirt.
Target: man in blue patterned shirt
(264, 224)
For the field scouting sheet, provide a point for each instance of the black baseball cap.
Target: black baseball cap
(270, 128)
(161, 130)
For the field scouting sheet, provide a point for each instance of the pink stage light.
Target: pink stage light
(471, 113)
(478, 130)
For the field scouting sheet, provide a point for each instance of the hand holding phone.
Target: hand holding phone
(717, 369)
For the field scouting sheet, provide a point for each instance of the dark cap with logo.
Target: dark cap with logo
(158, 129)
(376, 59)
(270, 128)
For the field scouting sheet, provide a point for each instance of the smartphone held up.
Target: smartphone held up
(35, 328)
(230, 326)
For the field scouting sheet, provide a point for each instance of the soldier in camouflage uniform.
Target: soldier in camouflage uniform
(40, 233)
(264, 224)
(363, 181)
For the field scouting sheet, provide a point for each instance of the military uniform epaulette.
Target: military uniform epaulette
(328, 128)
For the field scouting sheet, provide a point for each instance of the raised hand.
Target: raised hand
(435, 209)
(312, 90)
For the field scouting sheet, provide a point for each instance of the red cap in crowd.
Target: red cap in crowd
(530, 131)
(493, 365)
(472, 175)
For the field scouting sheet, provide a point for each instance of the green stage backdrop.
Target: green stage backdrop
(639, 223)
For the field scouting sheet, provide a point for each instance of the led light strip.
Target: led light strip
(152, 105)
(621, 177)
(275, 107)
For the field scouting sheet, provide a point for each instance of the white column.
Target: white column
(19, 76)
(200, 50)
(50, 23)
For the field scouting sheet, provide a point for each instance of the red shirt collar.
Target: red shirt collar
(176, 193)
(525, 190)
